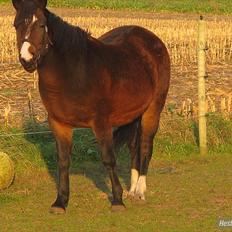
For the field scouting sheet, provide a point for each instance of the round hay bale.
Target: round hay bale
(6, 171)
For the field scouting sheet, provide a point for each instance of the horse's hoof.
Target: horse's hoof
(136, 197)
(118, 208)
(57, 210)
(130, 195)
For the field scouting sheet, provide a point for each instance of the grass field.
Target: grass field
(177, 139)
(182, 6)
(185, 192)
(187, 196)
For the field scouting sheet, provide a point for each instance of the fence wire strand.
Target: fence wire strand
(32, 133)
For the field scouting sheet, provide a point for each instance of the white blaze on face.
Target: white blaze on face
(25, 53)
(34, 19)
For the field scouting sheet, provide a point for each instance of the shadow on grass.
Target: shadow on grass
(85, 155)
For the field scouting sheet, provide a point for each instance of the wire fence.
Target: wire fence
(5, 135)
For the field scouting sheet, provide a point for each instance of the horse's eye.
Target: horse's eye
(42, 25)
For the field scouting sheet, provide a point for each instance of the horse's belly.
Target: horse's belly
(125, 117)
(126, 107)
(67, 111)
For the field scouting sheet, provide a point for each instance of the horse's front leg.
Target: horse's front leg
(105, 139)
(63, 136)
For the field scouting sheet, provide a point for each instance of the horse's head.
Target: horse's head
(32, 32)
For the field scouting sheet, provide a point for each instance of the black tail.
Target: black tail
(128, 134)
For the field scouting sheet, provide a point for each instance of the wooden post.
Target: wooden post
(201, 86)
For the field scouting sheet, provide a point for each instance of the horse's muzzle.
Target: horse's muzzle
(29, 66)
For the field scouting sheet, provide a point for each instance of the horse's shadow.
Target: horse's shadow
(85, 160)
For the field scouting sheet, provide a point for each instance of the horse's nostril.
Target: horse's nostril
(23, 61)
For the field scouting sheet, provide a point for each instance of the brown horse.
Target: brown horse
(119, 80)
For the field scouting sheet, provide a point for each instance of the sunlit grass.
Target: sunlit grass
(196, 6)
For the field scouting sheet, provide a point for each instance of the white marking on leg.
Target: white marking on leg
(141, 187)
(134, 180)
(24, 53)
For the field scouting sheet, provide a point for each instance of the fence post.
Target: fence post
(201, 85)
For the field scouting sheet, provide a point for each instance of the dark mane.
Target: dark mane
(68, 39)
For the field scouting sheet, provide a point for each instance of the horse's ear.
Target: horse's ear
(42, 3)
(16, 3)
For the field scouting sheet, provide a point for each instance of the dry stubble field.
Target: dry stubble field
(179, 32)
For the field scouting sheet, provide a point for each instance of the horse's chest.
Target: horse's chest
(65, 105)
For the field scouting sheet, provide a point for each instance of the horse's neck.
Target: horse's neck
(67, 39)
(57, 72)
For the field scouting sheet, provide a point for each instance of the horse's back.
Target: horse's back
(135, 35)
(121, 34)
(142, 43)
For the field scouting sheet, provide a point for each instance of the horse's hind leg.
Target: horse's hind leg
(149, 127)
(104, 136)
(63, 136)
(129, 134)
(133, 145)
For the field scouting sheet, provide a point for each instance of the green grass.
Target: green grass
(186, 192)
(193, 6)
(192, 197)
(176, 139)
